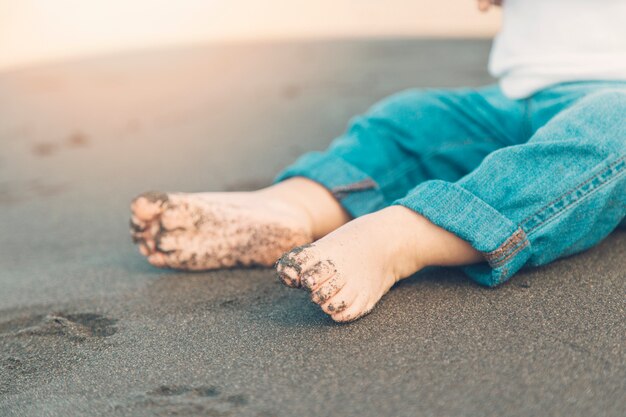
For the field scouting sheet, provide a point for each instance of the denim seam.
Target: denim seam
(621, 170)
(342, 191)
(521, 245)
(510, 255)
(515, 243)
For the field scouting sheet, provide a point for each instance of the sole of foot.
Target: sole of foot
(203, 231)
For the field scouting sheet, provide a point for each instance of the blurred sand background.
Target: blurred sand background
(33, 31)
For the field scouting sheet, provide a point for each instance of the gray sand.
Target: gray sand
(88, 328)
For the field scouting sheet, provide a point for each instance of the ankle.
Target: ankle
(279, 202)
(404, 229)
(429, 244)
(311, 200)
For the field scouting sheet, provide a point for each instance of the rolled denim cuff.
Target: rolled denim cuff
(356, 191)
(457, 210)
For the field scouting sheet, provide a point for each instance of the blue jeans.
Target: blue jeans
(523, 181)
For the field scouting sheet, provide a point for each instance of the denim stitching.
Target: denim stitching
(495, 258)
(511, 254)
(573, 202)
(510, 246)
(527, 219)
(343, 190)
(603, 177)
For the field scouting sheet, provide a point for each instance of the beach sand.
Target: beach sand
(88, 328)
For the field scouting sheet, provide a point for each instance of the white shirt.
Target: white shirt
(544, 42)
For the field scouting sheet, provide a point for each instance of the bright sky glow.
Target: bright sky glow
(39, 30)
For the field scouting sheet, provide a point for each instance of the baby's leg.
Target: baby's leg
(402, 141)
(560, 193)
(348, 271)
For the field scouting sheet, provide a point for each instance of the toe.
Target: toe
(292, 264)
(139, 230)
(177, 217)
(148, 235)
(325, 291)
(137, 237)
(137, 225)
(356, 310)
(148, 205)
(157, 259)
(317, 274)
(150, 244)
(146, 245)
(144, 249)
(167, 242)
(341, 301)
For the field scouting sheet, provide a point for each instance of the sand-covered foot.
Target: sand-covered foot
(203, 231)
(349, 270)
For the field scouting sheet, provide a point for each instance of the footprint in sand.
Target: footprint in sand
(33, 347)
(78, 327)
(202, 400)
(76, 139)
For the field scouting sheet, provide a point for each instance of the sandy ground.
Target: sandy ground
(88, 328)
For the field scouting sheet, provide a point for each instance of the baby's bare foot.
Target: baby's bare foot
(215, 230)
(349, 270)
